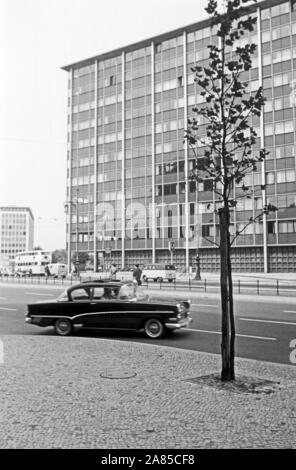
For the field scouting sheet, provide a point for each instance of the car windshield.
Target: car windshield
(128, 291)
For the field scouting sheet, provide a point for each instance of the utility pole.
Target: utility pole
(75, 203)
(172, 249)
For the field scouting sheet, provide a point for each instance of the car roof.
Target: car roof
(89, 284)
(102, 281)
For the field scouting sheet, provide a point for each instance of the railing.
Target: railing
(240, 286)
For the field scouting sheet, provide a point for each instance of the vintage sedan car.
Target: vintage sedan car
(109, 305)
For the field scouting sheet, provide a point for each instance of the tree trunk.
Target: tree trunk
(227, 323)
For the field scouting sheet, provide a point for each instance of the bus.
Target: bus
(32, 262)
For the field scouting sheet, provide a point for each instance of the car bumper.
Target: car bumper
(181, 324)
(28, 320)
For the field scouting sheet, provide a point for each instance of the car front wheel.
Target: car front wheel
(63, 326)
(153, 328)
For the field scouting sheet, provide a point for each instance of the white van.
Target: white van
(159, 272)
(58, 269)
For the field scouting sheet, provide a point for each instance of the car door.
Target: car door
(104, 313)
(128, 314)
(79, 306)
(116, 310)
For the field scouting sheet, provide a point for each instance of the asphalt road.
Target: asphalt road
(265, 328)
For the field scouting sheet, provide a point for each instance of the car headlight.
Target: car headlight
(181, 308)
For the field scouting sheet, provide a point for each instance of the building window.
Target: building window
(208, 185)
(192, 186)
(158, 191)
(206, 230)
(271, 227)
(270, 178)
(169, 189)
(112, 80)
(182, 188)
(287, 226)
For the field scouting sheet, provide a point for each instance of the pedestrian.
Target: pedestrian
(47, 271)
(113, 271)
(137, 274)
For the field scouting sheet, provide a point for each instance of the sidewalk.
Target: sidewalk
(96, 393)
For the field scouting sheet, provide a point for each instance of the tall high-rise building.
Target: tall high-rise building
(128, 184)
(16, 231)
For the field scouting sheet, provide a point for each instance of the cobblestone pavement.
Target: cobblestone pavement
(59, 393)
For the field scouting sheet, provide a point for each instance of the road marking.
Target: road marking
(289, 311)
(6, 308)
(3, 298)
(257, 337)
(206, 305)
(37, 293)
(241, 335)
(269, 321)
(204, 331)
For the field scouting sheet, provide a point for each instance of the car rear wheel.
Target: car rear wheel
(153, 328)
(63, 326)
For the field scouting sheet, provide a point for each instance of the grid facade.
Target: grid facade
(16, 231)
(127, 183)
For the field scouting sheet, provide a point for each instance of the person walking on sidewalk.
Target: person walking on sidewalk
(137, 273)
(113, 271)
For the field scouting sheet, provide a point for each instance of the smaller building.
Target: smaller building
(16, 231)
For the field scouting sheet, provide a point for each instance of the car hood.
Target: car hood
(42, 302)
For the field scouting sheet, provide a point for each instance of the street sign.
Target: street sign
(172, 246)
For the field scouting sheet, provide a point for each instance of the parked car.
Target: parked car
(21, 273)
(58, 270)
(109, 305)
(159, 272)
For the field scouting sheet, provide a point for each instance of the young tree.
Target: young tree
(59, 256)
(221, 135)
(83, 257)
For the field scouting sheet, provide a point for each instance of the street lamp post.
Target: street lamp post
(172, 249)
(197, 274)
(75, 203)
(77, 234)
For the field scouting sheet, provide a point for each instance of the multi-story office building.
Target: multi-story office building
(129, 167)
(16, 231)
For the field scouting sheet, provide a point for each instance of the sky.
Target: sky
(37, 38)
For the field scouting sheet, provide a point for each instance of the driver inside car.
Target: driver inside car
(109, 293)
